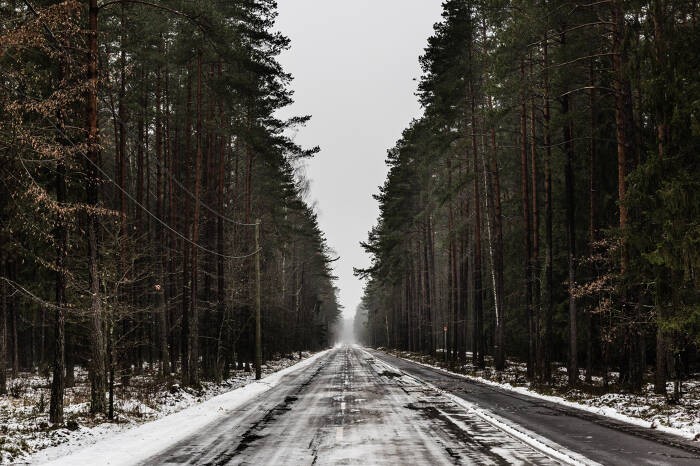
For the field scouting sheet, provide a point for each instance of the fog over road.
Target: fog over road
(351, 407)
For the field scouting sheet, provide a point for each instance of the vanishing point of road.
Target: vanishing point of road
(361, 407)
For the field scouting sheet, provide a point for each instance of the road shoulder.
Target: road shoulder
(141, 442)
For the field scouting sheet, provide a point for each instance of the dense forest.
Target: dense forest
(150, 199)
(546, 206)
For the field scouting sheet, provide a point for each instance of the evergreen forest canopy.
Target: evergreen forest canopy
(139, 144)
(546, 206)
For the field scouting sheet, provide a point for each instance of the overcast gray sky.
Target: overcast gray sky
(354, 64)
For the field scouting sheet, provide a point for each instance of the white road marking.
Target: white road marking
(542, 444)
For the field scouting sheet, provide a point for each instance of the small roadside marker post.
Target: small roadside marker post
(444, 331)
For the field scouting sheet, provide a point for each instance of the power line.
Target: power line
(201, 202)
(127, 194)
(155, 217)
(179, 183)
(177, 233)
(34, 297)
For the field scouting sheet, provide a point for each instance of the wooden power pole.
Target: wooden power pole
(258, 329)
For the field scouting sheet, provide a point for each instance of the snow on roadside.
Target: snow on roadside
(140, 443)
(644, 410)
(539, 443)
(26, 437)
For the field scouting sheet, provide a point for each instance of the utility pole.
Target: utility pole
(258, 329)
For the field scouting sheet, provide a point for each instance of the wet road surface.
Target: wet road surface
(598, 438)
(351, 408)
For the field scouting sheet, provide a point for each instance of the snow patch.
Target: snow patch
(25, 430)
(138, 444)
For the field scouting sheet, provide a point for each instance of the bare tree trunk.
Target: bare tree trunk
(534, 263)
(593, 218)
(428, 287)
(494, 193)
(571, 242)
(623, 120)
(3, 324)
(122, 154)
(527, 229)
(121, 171)
(418, 295)
(187, 248)
(111, 361)
(193, 355)
(97, 365)
(549, 255)
(58, 382)
(220, 247)
(478, 357)
(161, 289)
(454, 340)
(140, 131)
(14, 314)
(624, 123)
(661, 373)
(430, 241)
(662, 130)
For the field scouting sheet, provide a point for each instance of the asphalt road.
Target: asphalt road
(596, 437)
(350, 408)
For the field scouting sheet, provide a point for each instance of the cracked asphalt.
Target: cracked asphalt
(351, 408)
(598, 438)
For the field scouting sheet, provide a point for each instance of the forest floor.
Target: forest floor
(24, 426)
(646, 409)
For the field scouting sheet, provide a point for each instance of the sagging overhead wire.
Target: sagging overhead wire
(47, 305)
(158, 219)
(128, 195)
(169, 174)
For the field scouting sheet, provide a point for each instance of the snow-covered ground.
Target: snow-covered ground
(27, 437)
(646, 409)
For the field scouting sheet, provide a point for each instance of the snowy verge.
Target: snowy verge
(689, 430)
(140, 443)
(539, 443)
(141, 395)
(542, 444)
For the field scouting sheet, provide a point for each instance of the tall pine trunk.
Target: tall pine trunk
(58, 382)
(98, 374)
(534, 264)
(592, 216)
(161, 262)
(662, 131)
(494, 194)
(548, 217)
(527, 229)
(193, 344)
(478, 329)
(626, 153)
(572, 366)
(3, 321)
